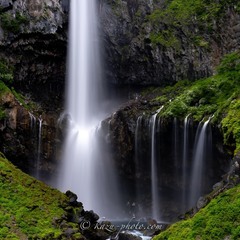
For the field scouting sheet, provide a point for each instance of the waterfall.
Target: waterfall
(84, 170)
(185, 162)
(199, 156)
(176, 147)
(39, 148)
(36, 134)
(154, 173)
(32, 122)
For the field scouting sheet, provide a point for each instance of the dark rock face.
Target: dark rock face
(35, 44)
(131, 57)
(134, 168)
(20, 137)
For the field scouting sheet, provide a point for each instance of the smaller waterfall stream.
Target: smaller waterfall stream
(185, 162)
(154, 173)
(39, 148)
(198, 162)
(154, 177)
(36, 134)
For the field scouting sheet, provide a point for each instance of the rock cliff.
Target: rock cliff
(151, 42)
(33, 40)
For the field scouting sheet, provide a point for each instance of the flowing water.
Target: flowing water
(185, 162)
(154, 173)
(199, 160)
(39, 148)
(89, 171)
(84, 170)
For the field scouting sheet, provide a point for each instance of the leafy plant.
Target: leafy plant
(13, 23)
(6, 72)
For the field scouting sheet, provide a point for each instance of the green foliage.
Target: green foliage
(191, 17)
(231, 124)
(165, 38)
(27, 206)
(3, 88)
(6, 72)
(217, 96)
(230, 66)
(11, 23)
(2, 113)
(220, 218)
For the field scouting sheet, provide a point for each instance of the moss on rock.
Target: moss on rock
(217, 96)
(219, 219)
(28, 207)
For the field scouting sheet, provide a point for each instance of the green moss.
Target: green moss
(6, 72)
(27, 206)
(231, 124)
(220, 218)
(165, 38)
(181, 16)
(12, 23)
(217, 96)
(2, 113)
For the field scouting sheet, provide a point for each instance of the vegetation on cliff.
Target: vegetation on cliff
(12, 23)
(217, 97)
(196, 19)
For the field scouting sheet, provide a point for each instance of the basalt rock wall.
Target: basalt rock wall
(134, 57)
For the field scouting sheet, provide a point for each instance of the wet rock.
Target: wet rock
(91, 216)
(127, 236)
(133, 59)
(72, 197)
(202, 202)
(217, 185)
(69, 232)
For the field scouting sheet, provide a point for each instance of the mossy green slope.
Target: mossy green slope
(219, 219)
(28, 208)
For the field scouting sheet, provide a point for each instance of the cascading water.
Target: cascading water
(185, 162)
(154, 173)
(39, 148)
(198, 162)
(176, 147)
(32, 122)
(83, 170)
(158, 165)
(155, 198)
(36, 134)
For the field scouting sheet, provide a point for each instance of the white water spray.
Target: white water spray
(39, 148)
(198, 163)
(84, 170)
(154, 174)
(185, 161)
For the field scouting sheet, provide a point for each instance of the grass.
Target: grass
(27, 207)
(219, 219)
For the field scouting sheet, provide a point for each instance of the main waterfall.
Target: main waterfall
(84, 170)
